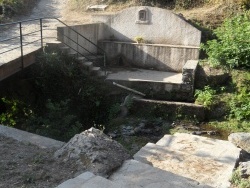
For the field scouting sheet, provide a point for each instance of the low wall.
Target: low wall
(149, 56)
(92, 32)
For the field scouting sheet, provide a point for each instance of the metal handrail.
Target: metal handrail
(22, 43)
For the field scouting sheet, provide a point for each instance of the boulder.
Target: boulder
(241, 140)
(244, 168)
(94, 151)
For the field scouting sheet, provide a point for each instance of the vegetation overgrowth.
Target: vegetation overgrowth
(62, 102)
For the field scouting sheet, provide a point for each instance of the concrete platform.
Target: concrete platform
(143, 75)
(205, 160)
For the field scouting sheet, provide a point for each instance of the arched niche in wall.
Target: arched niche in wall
(142, 16)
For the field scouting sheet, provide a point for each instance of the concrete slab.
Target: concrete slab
(221, 150)
(78, 181)
(31, 138)
(98, 182)
(136, 174)
(143, 75)
(205, 160)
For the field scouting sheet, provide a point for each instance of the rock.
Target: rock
(241, 140)
(245, 169)
(94, 151)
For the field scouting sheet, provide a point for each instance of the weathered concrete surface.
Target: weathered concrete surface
(31, 138)
(93, 32)
(136, 174)
(241, 140)
(205, 160)
(160, 57)
(77, 181)
(143, 75)
(168, 107)
(155, 84)
(94, 151)
(160, 27)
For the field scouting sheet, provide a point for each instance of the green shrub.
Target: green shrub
(205, 97)
(240, 100)
(232, 47)
(57, 122)
(15, 111)
(238, 181)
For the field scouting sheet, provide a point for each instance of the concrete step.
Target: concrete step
(98, 60)
(205, 160)
(78, 181)
(72, 54)
(81, 59)
(88, 180)
(96, 71)
(135, 174)
(65, 49)
(55, 44)
(87, 65)
(98, 182)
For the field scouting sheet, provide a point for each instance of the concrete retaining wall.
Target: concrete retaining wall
(149, 56)
(92, 32)
(160, 27)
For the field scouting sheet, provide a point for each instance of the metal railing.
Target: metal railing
(21, 43)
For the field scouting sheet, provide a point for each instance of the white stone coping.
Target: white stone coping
(145, 44)
(26, 137)
(97, 7)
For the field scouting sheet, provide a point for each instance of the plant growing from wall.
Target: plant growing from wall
(139, 39)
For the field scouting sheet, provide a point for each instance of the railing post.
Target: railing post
(21, 43)
(104, 63)
(41, 31)
(77, 44)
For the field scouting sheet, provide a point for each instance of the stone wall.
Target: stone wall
(149, 56)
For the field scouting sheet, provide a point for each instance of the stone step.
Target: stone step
(88, 180)
(205, 160)
(87, 65)
(96, 70)
(72, 54)
(65, 49)
(199, 145)
(135, 174)
(81, 59)
(98, 182)
(98, 60)
(77, 181)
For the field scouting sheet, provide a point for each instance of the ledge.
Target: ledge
(146, 44)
